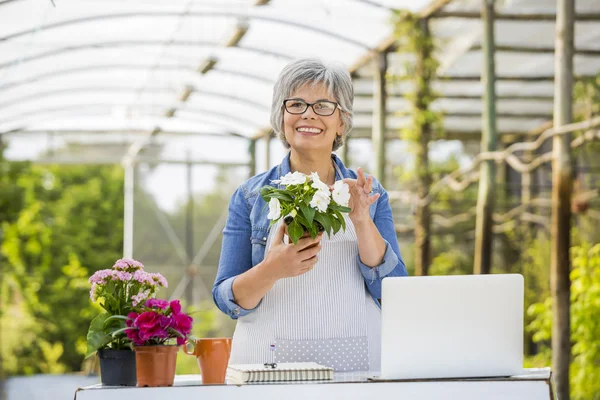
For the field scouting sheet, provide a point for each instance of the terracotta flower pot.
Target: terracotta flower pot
(117, 367)
(156, 365)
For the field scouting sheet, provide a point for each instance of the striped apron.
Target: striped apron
(325, 315)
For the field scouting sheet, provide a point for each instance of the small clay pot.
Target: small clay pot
(156, 365)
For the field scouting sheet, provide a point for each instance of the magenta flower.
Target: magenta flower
(175, 306)
(156, 303)
(182, 323)
(131, 318)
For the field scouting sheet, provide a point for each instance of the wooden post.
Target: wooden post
(485, 196)
(422, 211)
(252, 151)
(379, 116)
(562, 185)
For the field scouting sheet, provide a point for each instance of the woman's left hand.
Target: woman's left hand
(360, 196)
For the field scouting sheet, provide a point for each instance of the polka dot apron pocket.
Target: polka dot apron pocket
(342, 354)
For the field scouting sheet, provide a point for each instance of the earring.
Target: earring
(338, 139)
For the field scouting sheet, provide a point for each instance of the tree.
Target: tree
(65, 222)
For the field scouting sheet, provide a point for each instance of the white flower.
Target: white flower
(291, 178)
(274, 209)
(320, 200)
(341, 193)
(318, 184)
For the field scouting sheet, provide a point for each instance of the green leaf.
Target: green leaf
(281, 195)
(342, 220)
(265, 192)
(97, 337)
(113, 318)
(335, 224)
(295, 231)
(337, 207)
(325, 220)
(308, 212)
(119, 331)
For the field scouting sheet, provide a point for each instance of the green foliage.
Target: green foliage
(585, 326)
(295, 201)
(55, 217)
(414, 39)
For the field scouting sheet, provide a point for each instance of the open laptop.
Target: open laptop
(457, 326)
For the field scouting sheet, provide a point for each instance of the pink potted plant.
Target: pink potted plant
(118, 291)
(157, 329)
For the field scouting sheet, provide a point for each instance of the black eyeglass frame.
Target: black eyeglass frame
(311, 105)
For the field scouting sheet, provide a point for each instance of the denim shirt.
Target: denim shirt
(247, 228)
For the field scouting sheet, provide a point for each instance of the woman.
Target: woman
(301, 302)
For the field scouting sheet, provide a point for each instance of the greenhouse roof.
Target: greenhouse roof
(114, 70)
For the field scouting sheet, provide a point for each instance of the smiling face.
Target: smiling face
(310, 131)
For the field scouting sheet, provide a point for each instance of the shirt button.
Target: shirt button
(264, 239)
(236, 311)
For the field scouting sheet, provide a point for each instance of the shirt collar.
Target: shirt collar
(341, 171)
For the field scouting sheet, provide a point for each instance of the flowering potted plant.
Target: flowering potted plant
(118, 291)
(153, 328)
(307, 204)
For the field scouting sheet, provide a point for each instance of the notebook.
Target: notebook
(305, 371)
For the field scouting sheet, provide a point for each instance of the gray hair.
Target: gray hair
(312, 71)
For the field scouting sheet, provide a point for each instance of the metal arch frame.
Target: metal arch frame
(51, 93)
(26, 131)
(190, 14)
(4, 2)
(133, 43)
(228, 129)
(67, 71)
(227, 116)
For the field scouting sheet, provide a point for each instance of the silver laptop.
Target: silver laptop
(452, 326)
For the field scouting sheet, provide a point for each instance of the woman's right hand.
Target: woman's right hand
(287, 260)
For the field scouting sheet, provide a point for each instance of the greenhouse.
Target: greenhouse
(126, 127)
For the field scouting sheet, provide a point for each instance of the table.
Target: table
(533, 384)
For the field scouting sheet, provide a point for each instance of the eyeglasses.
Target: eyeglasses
(321, 107)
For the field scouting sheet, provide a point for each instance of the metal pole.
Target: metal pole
(379, 116)
(267, 151)
(252, 151)
(562, 186)
(485, 197)
(129, 172)
(189, 234)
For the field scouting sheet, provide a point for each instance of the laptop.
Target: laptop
(460, 326)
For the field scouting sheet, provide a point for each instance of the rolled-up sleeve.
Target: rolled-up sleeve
(392, 264)
(389, 263)
(236, 255)
(225, 301)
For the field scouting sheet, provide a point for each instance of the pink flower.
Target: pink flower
(175, 306)
(128, 264)
(159, 279)
(131, 318)
(182, 323)
(149, 326)
(134, 336)
(146, 320)
(156, 303)
(100, 277)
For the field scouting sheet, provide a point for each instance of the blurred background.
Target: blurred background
(125, 126)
